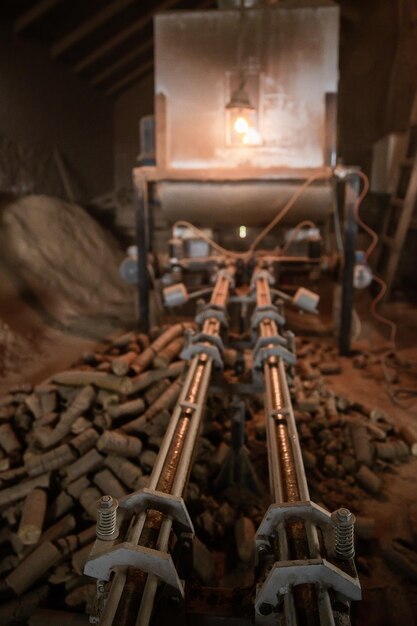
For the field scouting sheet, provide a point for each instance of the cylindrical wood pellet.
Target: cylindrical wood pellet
(119, 444)
(8, 440)
(368, 480)
(361, 444)
(33, 567)
(410, 438)
(33, 516)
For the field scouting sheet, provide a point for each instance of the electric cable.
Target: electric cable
(280, 216)
(398, 393)
(282, 213)
(358, 325)
(377, 315)
(275, 220)
(295, 232)
(368, 252)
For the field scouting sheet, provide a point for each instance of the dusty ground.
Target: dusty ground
(388, 598)
(34, 344)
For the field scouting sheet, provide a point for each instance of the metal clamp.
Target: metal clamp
(203, 343)
(145, 499)
(287, 574)
(261, 274)
(262, 342)
(224, 273)
(212, 311)
(268, 311)
(127, 554)
(215, 340)
(278, 513)
(203, 348)
(274, 347)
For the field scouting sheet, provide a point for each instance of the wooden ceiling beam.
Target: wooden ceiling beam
(89, 26)
(124, 60)
(122, 35)
(34, 13)
(145, 68)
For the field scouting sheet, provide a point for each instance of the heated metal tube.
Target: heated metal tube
(287, 477)
(132, 594)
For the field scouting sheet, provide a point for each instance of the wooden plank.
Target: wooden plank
(89, 26)
(133, 76)
(402, 228)
(161, 131)
(34, 13)
(110, 69)
(122, 35)
(396, 202)
(387, 241)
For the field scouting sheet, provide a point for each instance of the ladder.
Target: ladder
(400, 214)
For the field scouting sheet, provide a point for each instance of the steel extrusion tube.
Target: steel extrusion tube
(132, 594)
(295, 540)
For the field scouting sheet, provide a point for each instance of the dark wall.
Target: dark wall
(128, 109)
(378, 73)
(44, 106)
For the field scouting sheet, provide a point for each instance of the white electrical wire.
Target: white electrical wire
(283, 212)
(295, 232)
(278, 217)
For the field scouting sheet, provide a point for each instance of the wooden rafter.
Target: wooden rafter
(110, 69)
(89, 26)
(144, 68)
(131, 77)
(122, 35)
(34, 13)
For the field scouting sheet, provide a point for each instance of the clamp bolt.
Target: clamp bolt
(106, 518)
(343, 526)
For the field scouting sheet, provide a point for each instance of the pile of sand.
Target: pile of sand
(63, 259)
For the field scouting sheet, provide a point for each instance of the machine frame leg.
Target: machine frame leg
(352, 186)
(142, 236)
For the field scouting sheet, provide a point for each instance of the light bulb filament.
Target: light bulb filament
(241, 125)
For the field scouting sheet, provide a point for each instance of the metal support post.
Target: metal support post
(142, 210)
(352, 186)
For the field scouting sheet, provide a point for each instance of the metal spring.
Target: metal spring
(106, 518)
(343, 528)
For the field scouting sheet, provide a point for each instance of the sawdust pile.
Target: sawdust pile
(63, 258)
(14, 350)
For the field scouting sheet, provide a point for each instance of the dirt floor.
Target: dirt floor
(34, 344)
(388, 597)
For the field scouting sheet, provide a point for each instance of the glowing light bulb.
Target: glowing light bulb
(242, 232)
(252, 137)
(241, 125)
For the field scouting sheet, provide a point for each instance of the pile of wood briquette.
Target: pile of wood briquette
(96, 429)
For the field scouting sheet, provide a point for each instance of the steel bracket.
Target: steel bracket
(261, 274)
(266, 341)
(276, 514)
(269, 312)
(127, 554)
(273, 348)
(211, 351)
(287, 574)
(145, 499)
(214, 340)
(210, 311)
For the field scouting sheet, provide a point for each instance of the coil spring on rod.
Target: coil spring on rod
(343, 529)
(107, 518)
